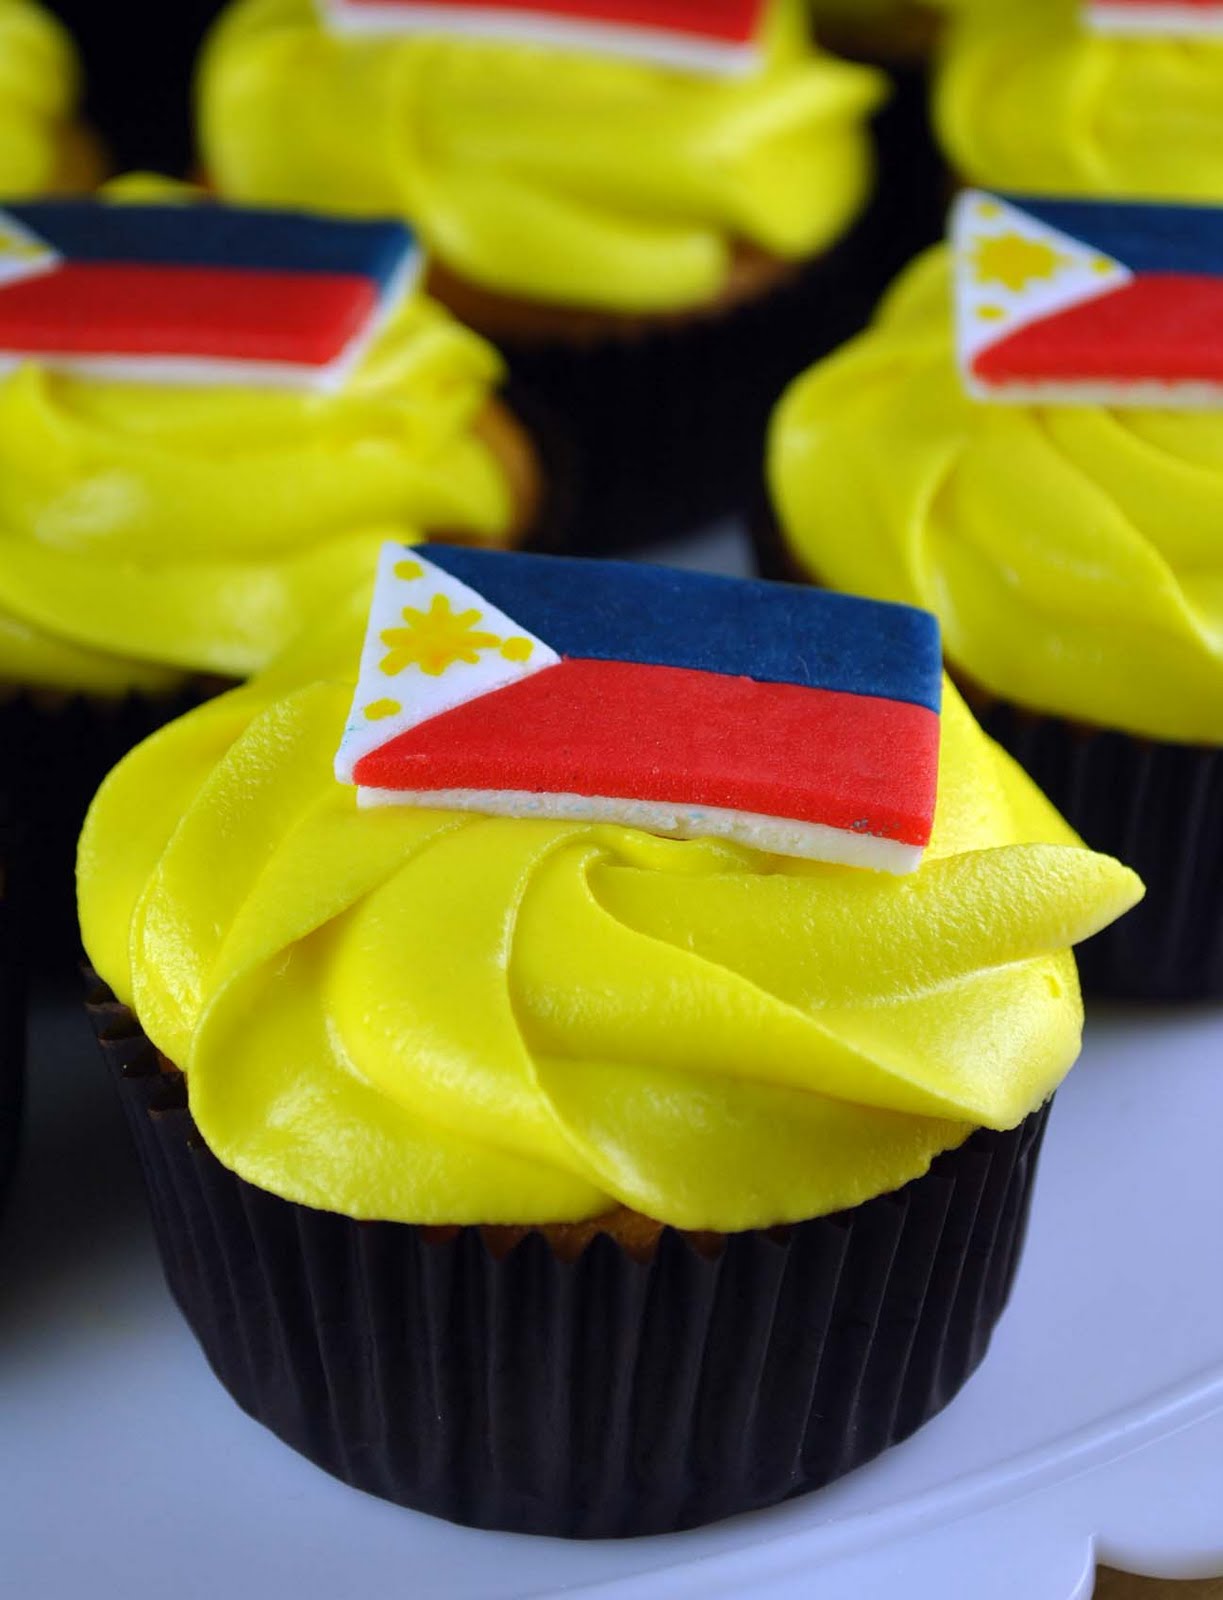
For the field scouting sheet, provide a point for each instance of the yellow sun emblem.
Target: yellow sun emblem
(1015, 262)
(438, 638)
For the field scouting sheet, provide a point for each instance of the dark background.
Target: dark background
(138, 57)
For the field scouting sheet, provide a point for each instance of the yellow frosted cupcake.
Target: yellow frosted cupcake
(165, 528)
(629, 229)
(503, 1123)
(43, 147)
(1031, 97)
(1069, 546)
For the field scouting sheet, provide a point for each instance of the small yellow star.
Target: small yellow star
(517, 649)
(436, 639)
(408, 570)
(15, 247)
(1015, 261)
(379, 710)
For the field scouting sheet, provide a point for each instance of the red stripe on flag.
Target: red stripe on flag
(1166, 327)
(112, 309)
(669, 734)
(724, 21)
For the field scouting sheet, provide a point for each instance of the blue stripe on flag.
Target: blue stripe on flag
(206, 234)
(772, 632)
(1145, 238)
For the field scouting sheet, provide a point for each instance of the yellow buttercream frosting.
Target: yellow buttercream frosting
(42, 149)
(438, 1018)
(148, 531)
(565, 177)
(1071, 553)
(1029, 98)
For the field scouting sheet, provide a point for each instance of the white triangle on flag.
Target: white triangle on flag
(431, 645)
(22, 253)
(1012, 270)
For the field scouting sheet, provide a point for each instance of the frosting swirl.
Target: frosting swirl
(147, 530)
(436, 1018)
(1027, 98)
(41, 148)
(584, 180)
(1071, 553)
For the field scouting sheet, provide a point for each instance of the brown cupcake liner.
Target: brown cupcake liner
(600, 1396)
(57, 749)
(1159, 808)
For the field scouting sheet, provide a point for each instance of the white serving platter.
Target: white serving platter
(1094, 1431)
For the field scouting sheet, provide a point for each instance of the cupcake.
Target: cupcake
(1032, 96)
(44, 149)
(551, 1173)
(187, 466)
(1061, 518)
(657, 243)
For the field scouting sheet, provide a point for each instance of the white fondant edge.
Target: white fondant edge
(658, 46)
(782, 836)
(1154, 21)
(1149, 394)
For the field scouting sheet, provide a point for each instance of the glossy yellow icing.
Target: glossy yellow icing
(430, 1017)
(1029, 99)
(1071, 553)
(559, 177)
(147, 531)
(41, 147)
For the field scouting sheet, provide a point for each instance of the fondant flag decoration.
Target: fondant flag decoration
(1089, 302)
(714, 36)
(785, 717)
(197, 293)
(1156, 18)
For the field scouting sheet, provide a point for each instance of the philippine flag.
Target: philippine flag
(715, 36)
(1089, 302)
(198, 293)
(797, 721)
(1156, 18)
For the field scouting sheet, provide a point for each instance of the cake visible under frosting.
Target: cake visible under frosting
(572, 178)
(148, 531)
(435, 1018)
(1071, 553)
(1029, 98)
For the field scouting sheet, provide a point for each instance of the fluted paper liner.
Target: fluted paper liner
(57, 748)
(596, 1397)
